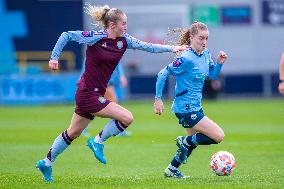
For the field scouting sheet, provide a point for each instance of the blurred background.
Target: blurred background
(251, 32)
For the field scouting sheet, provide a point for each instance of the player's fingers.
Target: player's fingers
(281, 90)
(223, 54)
(55, 67)
(156, 110)
(159, 111)
(51, 65)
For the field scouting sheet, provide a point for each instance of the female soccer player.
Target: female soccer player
(104, 50)
(190, 70)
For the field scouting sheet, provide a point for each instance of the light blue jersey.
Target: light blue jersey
(190, 71)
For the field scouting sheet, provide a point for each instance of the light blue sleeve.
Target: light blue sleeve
(214, 68)
(160, 83)
(120, 69)
(116, 74)
(180, 64)
(133, 43)
(86, 37)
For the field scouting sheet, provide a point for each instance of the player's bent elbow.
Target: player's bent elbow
(65, 36)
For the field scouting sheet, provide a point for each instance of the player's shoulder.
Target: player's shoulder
(206, 52)
(94, 33)
(187, 54)
(129, 37)
(126, 35)
(100, 32)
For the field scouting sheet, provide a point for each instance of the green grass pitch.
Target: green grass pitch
(254, 132)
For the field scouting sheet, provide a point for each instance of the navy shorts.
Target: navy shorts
(189, 120)
(88, 102)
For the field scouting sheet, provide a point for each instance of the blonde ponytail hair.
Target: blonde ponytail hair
(103, 14)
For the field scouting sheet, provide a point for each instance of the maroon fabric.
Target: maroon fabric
(101, 60)
(88, 102)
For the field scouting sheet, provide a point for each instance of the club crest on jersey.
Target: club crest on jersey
(193, 116)
(119, 44)
(87, 33)
(102, 99)
(177, 63)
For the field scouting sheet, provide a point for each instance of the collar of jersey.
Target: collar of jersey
(106, 32)
(199, 55)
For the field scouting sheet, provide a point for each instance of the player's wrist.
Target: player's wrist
(281, 80)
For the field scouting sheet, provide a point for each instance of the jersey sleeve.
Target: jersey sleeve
(180, 64)
(133, 43)
(120, 69)
(160, 83)
(214, 68)
(86, 37)
(116, 74)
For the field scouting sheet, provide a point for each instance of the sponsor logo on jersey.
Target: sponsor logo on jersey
(186, 124)
(88, 33)
(119, 44)
(177, 63)
(195, 68)
(102, 99)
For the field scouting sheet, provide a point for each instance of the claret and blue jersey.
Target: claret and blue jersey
(190, 71)
(102, 54)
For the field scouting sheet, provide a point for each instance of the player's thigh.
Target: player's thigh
(117, 112)
(110, 94)
(77, 125)
(209, 128)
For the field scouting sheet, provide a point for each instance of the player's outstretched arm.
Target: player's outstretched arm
(86, 37)
(179, 48)
(133, 43)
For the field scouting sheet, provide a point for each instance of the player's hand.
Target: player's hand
(281, 88)
(180, 48)
(222, 57)
(53, 65)
(158, 107)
